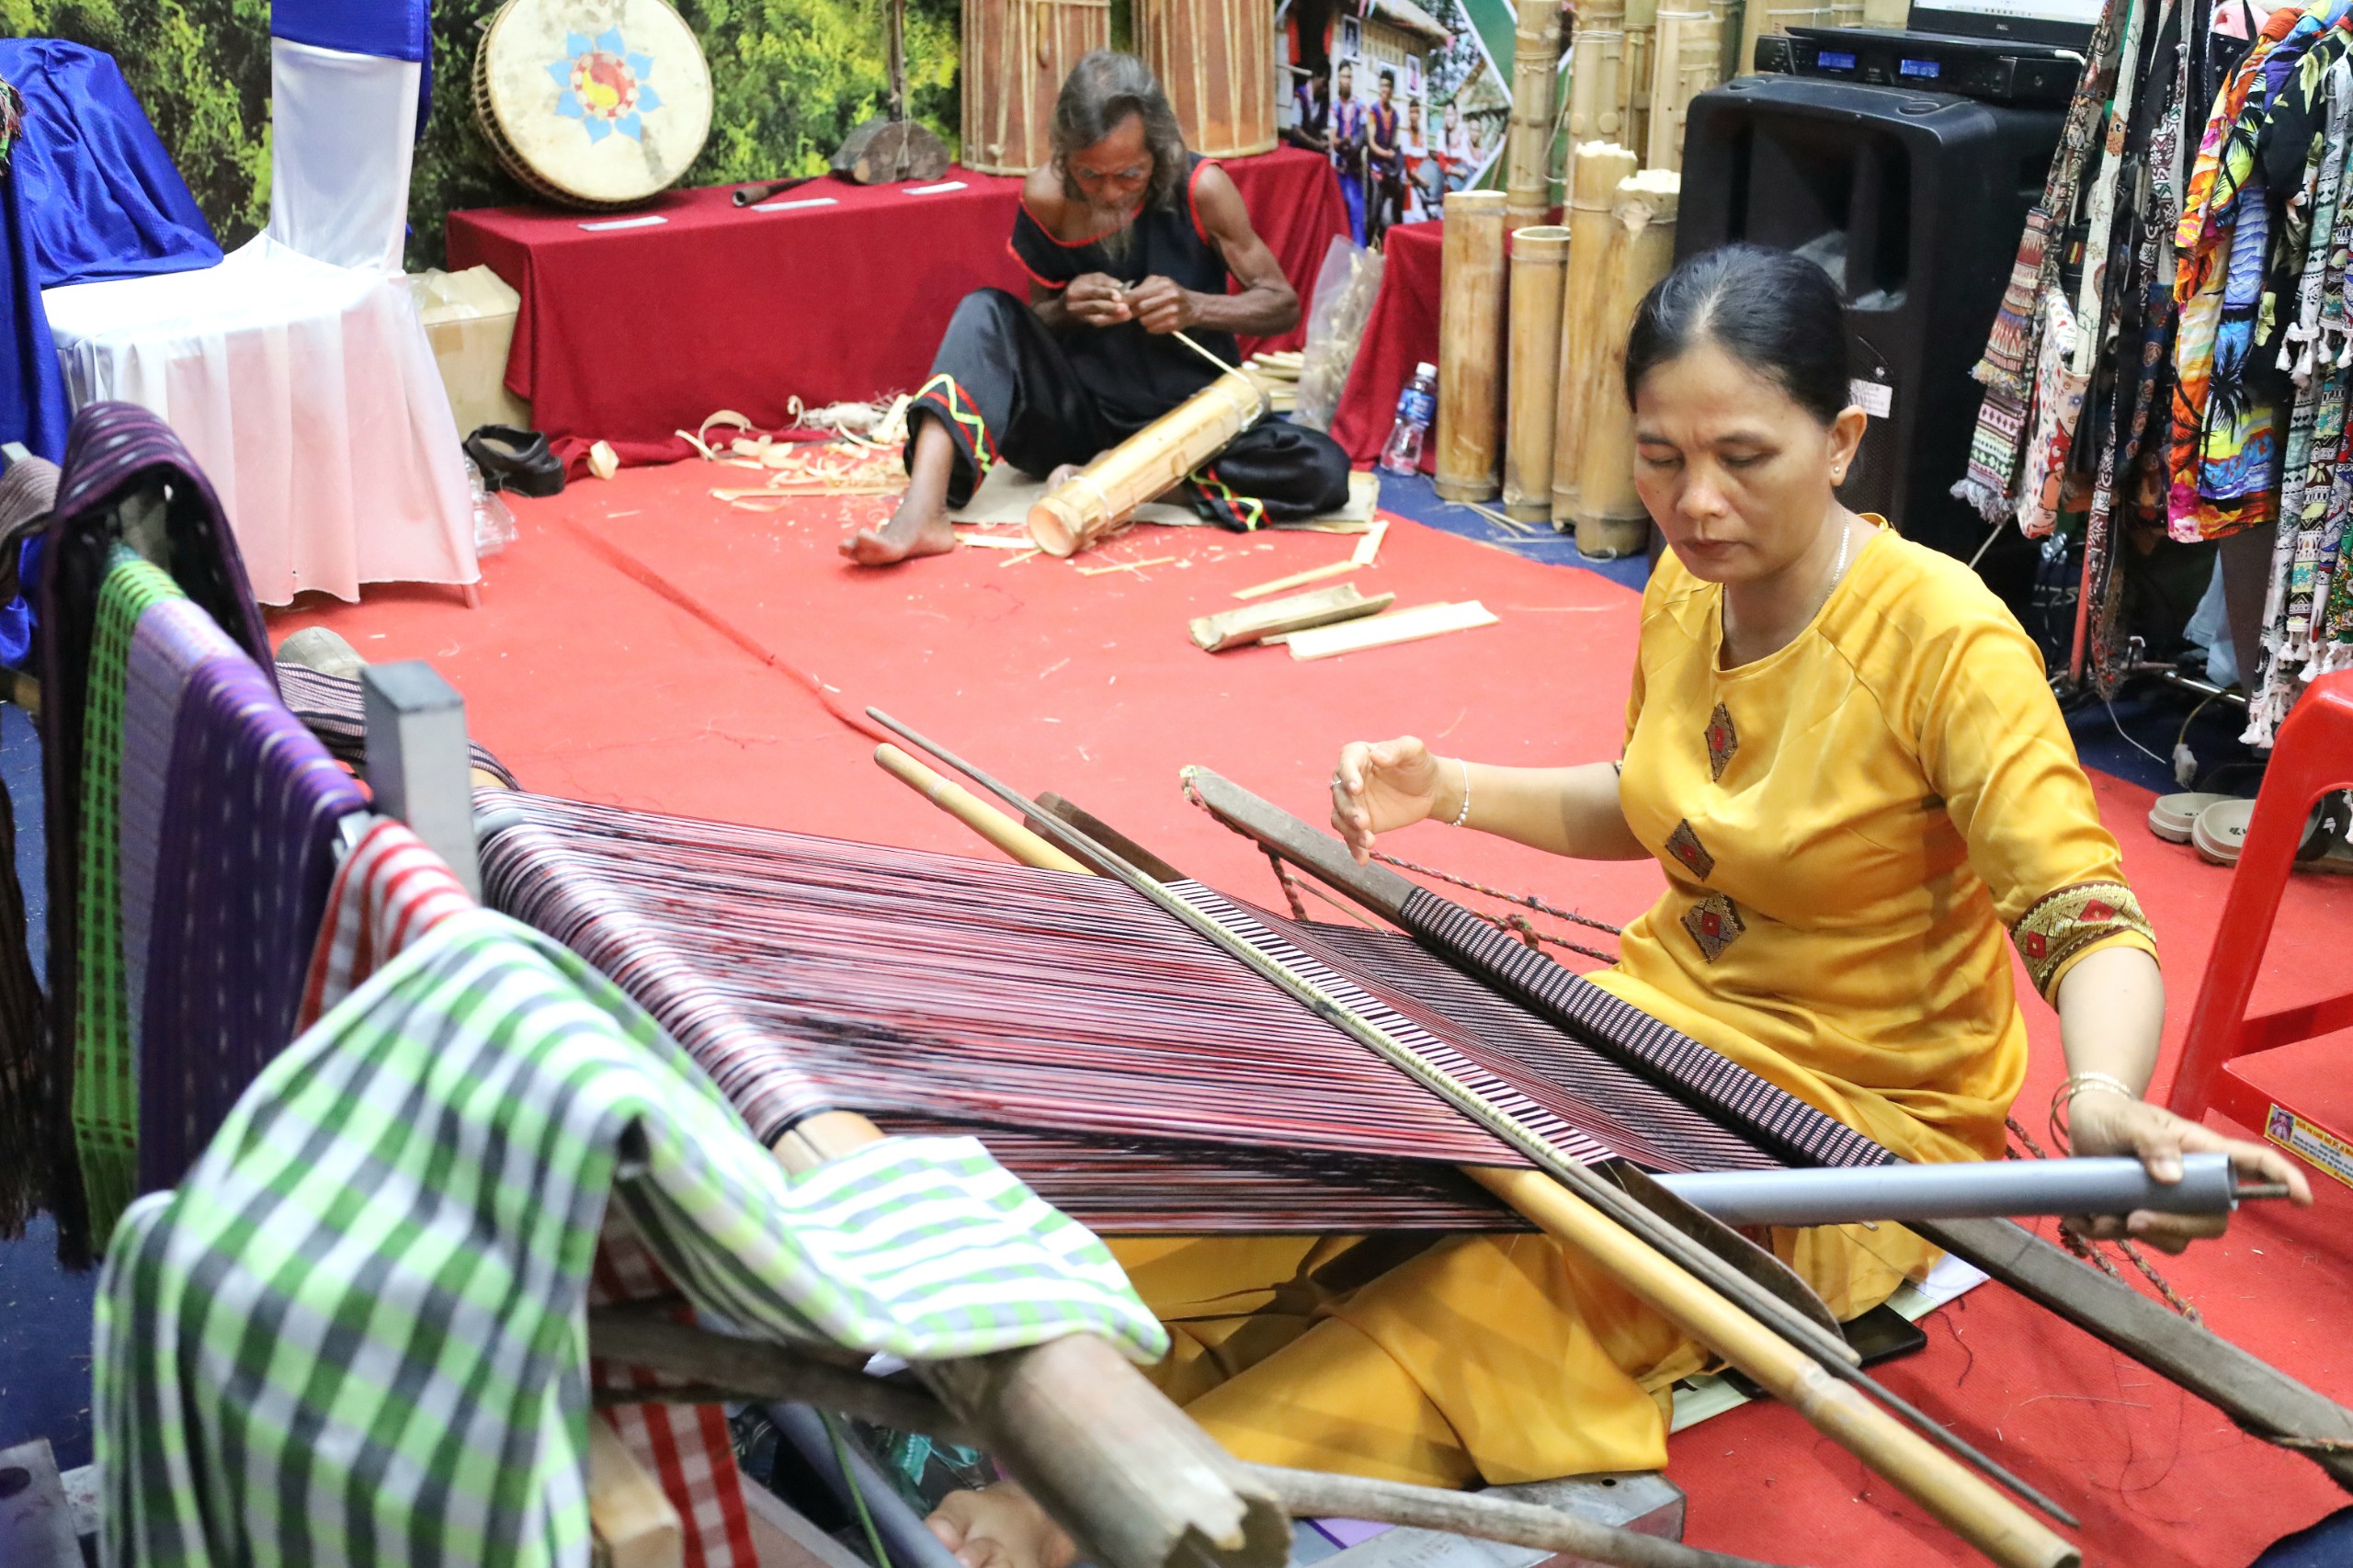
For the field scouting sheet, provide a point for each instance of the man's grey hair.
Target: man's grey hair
(1102, 90)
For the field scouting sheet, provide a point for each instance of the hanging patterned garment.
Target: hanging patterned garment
(389, 893)
(251, 807)
(126, 478)
(2014, 347)
(2224, 443)
(231, 1429)
(2058, 402)
(106, 1093)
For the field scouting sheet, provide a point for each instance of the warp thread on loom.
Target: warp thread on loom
(1065, 1008)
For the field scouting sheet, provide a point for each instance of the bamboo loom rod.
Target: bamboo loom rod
(973, 812)
(2251, 1391)
(1964, 1503)
(1385, 892)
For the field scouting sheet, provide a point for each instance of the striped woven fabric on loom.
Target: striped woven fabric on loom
(1136, 1077)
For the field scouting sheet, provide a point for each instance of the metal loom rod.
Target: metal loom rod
(1650, 1257)
(1652, 1197)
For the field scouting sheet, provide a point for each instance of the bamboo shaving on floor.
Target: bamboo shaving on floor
(861, 458)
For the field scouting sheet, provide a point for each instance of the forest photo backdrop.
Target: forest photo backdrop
(789, 80)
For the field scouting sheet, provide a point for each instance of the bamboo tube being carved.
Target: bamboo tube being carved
(1096, 500)
(1470, 346)
(1595, 169)
(1610, 521)
(1688, 50)
(1535, 78)
(1540, 261)
(1963, 1501)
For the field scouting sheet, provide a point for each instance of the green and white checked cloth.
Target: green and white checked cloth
(355, 1332)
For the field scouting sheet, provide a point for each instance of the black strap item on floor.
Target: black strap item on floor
(516, 460)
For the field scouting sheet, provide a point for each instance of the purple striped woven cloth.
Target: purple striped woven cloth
(126, 478)
(172, 641)
(245, 857)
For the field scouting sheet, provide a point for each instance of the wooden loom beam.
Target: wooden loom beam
(1668, 1271)
(1135, 1482)
(2256, 1395)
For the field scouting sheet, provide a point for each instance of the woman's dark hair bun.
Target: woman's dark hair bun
(1773, 311)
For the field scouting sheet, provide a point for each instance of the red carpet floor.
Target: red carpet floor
(641, 644)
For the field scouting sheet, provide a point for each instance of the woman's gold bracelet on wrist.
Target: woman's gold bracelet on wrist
(2062, 1133)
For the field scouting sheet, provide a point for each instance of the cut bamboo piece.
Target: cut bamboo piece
(1963, 1501)
(1090, 503)
(1298, 579)
(1527, 146)
(1325, 607)
(1594, 170)
(1597, 64)
(1368, 549)
(1610, 521)
(634, 1524)
(975, 813)
(1540, 261)
(1688, 53)
(1470, 346)
(1383, 631)
(1641, 30)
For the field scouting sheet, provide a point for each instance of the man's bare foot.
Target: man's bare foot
(1001, 1528)
(903, 538)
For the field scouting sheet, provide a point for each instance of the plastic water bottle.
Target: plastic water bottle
(1416, 406)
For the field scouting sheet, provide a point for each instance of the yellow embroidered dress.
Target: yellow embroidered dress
(1854, 829)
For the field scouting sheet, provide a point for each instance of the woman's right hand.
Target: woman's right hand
(1380, 785)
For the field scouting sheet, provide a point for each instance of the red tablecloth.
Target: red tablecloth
(1400, 332)
(628, 333)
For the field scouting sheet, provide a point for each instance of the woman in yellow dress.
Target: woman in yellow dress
(1845, 755)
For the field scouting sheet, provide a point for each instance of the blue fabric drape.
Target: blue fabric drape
(95, 187)
(32, 390)
(391, 29)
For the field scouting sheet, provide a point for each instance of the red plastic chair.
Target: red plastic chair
(2313, 756)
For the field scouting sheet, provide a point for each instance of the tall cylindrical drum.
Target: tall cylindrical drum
(1595, 169)
(1215, 60)
(1611, 520)
(1470, 346)
(1597, 66)
(1540, 260)
(1016, 54)
(1535, 85)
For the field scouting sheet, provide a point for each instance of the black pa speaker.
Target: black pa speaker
(1912, 202)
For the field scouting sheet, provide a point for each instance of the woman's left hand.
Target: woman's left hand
(2104, 1123)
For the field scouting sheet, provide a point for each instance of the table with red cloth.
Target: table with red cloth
(1401, 332)
(631, 329)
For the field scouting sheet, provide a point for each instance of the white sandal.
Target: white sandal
(2173, 815)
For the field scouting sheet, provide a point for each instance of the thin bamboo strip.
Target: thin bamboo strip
(1540, 260)
(1610, 521)
(1470, 346)
(1594, 171)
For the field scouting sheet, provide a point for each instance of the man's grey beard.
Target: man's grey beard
(1119, 244)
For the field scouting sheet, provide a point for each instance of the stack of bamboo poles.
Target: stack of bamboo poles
(1538, 411)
